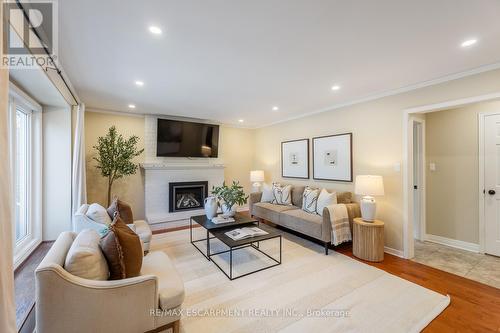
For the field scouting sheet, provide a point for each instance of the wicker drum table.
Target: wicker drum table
(368, 240)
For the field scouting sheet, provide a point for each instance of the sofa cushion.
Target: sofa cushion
(123, 208)
(143, 230)
(85, 258)
(122, 248)
(267, 193)
(282, 194)
(297, 192)
(98, 213)
(170, 285)
(269, 211)
(303, 222)
(310, 200)
(344, 197)
(325, 198)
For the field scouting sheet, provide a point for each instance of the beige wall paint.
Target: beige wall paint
(237, 148)
(377, 140)
(129, 189)
(452, 197)
(236, 153)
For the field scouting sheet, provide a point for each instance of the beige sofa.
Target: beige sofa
(67, 303)
(294, 218)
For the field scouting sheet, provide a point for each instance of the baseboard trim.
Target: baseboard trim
(458, 244)
(394, 252)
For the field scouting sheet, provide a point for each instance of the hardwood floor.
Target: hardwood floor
(474, 307)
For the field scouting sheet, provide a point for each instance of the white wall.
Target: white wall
(56, 171)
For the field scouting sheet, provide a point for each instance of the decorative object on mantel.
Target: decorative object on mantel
(295, 159)
(229, 197)
(211, 207)
(369, 186)
(256, 177)
(115, 155)
(332, 157)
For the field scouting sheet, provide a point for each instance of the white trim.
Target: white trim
(443, 79)
(23, 98)
(458, 244)
(179, 166)
(394, 252)
(423, 166)
(454, 103)
(482, 185)
(408, 241)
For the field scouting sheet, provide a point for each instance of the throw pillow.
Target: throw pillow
(122, 249)
(267, 193)
(85, 259)
(98, 213)
(310, 199)
(282, 194)
(325, 199)
(123, 209)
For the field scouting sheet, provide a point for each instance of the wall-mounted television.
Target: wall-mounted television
(187, 139)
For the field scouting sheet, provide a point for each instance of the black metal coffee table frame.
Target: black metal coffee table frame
(219, 231)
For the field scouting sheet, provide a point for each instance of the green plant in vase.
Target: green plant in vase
(229, 197)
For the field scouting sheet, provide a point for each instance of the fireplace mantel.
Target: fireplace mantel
(158, 176)
(179, 166)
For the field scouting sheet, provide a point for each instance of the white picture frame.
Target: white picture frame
(332, 157)
(295, 159)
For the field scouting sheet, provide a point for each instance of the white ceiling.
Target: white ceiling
(226, 60)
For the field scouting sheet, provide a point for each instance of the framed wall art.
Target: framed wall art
(332, 157)
(295, 159)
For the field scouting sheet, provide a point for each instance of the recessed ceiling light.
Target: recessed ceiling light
(241, 120)
(335, 87)
(275, 108)
(131, 106)
(139, 83)
(469, 42)
(155, 30)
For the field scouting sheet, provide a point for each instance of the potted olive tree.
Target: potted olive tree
(229, 197)
(115, 155)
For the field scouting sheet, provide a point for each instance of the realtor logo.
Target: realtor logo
(29, 33)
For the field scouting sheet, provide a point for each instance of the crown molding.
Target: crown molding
(443, 79)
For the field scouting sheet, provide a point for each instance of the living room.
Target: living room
(249, 166)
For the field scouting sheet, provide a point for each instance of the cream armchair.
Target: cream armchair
(67, 303)
(141, 227)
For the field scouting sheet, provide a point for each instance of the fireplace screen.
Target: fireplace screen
(187, 196)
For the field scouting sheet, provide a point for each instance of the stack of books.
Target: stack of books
(221, 219)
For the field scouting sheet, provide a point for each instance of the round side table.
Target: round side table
(368, 240)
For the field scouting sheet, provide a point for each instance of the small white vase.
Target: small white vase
(228, 212)
(211, 207)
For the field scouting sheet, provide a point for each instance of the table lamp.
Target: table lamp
(369, 186)
(256, 177)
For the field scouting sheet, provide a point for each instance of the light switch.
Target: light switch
(432, 166)
(397, 167)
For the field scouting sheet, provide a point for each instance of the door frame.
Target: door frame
(408, 241)
(422, 178)
(482, 186)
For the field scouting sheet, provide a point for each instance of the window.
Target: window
(21, 175)
(25, 148)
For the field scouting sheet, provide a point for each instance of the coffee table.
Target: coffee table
(253, 242)
(202, 220)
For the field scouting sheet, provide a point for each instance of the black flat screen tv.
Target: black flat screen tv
(186, 139)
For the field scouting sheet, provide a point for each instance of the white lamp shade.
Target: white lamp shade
(369, 185)
(257, 176)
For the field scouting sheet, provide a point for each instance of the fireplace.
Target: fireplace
(186, 196)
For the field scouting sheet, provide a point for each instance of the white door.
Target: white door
(492, 184)
(417, 180)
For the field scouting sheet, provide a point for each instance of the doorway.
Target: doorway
(418, 179)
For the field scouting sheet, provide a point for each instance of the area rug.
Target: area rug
(308, 292)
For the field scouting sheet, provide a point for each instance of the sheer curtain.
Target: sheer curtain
(79, 187)
(7, 305)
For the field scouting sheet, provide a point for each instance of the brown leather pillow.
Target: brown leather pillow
(123, 209)
(123, 250)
